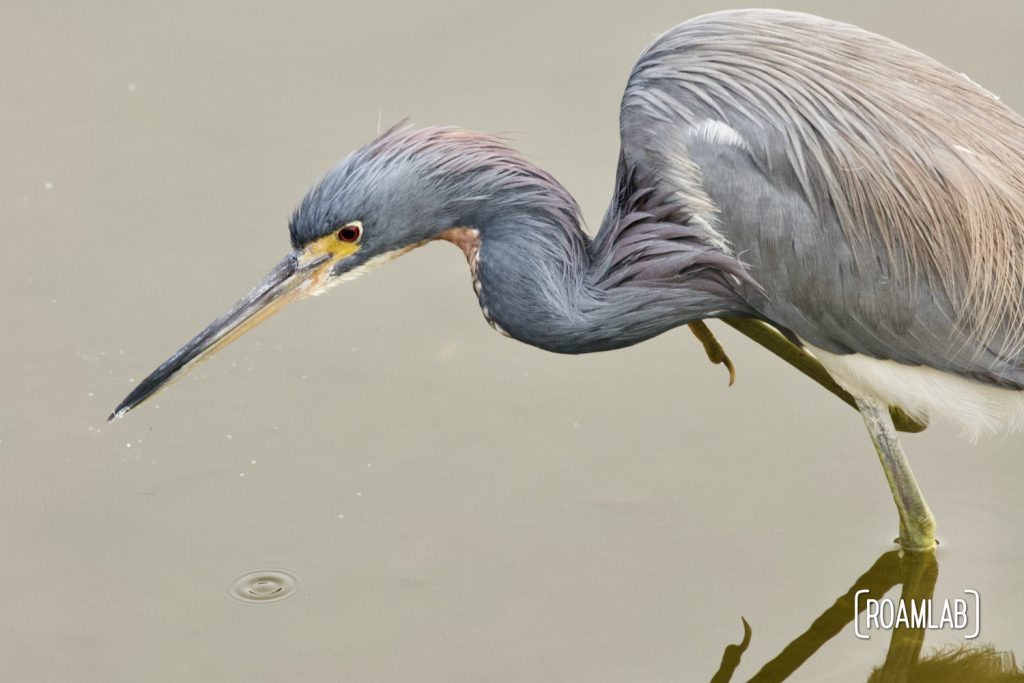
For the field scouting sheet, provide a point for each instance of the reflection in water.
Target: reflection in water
(917, 573)
(964, 664)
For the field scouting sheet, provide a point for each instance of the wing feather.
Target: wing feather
(919, 170)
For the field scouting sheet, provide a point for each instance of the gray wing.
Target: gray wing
(870, 228)
(813, 286)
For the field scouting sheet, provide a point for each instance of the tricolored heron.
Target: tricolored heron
(850, 203)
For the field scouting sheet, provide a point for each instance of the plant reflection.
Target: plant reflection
(916, 573)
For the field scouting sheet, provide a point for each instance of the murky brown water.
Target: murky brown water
(453, 506)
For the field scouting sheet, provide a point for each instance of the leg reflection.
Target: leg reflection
(917, 573)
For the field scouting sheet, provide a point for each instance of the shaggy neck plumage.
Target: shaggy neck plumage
(648, 270)
(655, 264)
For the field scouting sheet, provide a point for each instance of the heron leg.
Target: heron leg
(917, 524)
(771, 339)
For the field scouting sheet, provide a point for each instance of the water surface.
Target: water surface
(454, 506)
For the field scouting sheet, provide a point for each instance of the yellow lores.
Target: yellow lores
(312, 276)
(319, 256)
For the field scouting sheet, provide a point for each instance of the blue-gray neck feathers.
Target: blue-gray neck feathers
(651, 267)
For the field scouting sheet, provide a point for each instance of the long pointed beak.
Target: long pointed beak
(297, 275)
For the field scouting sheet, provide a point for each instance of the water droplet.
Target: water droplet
(266, 585)
(48, 185)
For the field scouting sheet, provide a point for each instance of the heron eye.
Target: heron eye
(350, 232)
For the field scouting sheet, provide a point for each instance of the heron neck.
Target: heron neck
(541, 280)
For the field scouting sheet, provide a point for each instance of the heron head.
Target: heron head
(402, 190)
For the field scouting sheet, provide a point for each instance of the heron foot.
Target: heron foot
(898, 541)
(713, 347)
(919, 536)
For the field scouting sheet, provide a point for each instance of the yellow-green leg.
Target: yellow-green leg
(917, 524)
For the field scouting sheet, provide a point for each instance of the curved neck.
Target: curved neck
(541, 280)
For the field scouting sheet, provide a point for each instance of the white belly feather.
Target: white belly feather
(928, 394)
